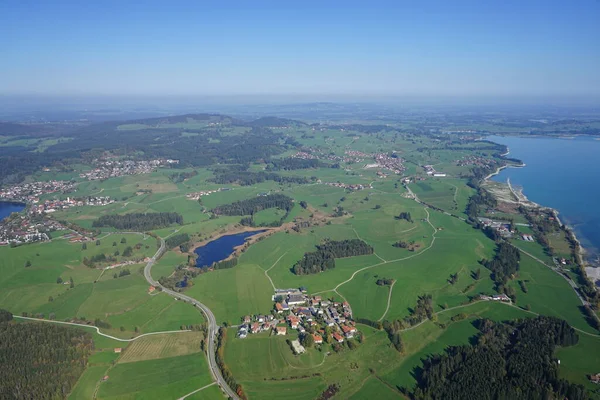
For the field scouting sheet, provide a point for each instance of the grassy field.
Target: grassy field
(165, 378)
(162, 346)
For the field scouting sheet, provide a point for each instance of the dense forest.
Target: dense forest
(324, 258)
(504, 265)
(45, 359)
(247, 178)
(509, 361)
(139, 222)
(156, 140)
(251, 206)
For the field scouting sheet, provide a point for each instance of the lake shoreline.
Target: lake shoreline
(237, 250)
(522, 198)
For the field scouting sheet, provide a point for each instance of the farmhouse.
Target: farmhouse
(281, 330)
(338, 337)
(349, 331)
(118, 349)
(296, 299)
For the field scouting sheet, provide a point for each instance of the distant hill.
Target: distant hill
(175, 119)
(273, 122)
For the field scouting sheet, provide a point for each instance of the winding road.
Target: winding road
(210, 317)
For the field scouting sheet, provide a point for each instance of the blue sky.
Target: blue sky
(422, 48)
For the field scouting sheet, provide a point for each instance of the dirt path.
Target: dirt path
(388, 303)
(387, 261)
(274, 264)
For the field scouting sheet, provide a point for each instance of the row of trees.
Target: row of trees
(251, 206)
(139, 221)
(225, 371)
(509, 361)
(40, 361)
(324, 258)
(288, 164)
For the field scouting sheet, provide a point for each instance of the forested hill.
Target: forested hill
(215, 139)
(509, 361)
(45, 360)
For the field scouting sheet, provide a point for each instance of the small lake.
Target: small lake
(8, 207)
(221, 248)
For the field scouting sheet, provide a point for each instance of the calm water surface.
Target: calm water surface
(563, 174)
(219, 249)
(7, 208)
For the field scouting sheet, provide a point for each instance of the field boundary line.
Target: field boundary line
(98, 329)
(197, 390)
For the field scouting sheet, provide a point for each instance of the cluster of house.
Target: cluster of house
(345, 185)
(30, 192)
(307, 315)
(50, 206)
(197, 195)
(112, 168)
(429, 170)
(74, 237)
(496, 297)
(504, 228)
(303, 155)
(23, 229)
(391, 163)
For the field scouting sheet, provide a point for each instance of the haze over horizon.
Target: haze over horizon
(385, 49)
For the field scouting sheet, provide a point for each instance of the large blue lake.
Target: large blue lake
(563, 174)
(221, 248)
(7, 208)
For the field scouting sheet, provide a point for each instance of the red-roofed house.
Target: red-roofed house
(279, 308)
(349, 331)
(281, 330)
(338, 337)
(318, 339)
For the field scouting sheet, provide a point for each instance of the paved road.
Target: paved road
(210, 317)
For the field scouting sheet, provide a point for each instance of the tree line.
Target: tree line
(139, 221)
(324, 258)
(177, 240)
(247, 178)
(251, 206)
(40, 360)
(512, 360)
(288, 164)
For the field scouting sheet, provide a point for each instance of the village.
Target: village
(20, 229)
(30, 192)
(325, 321)
(112, 168)
(50, 206)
